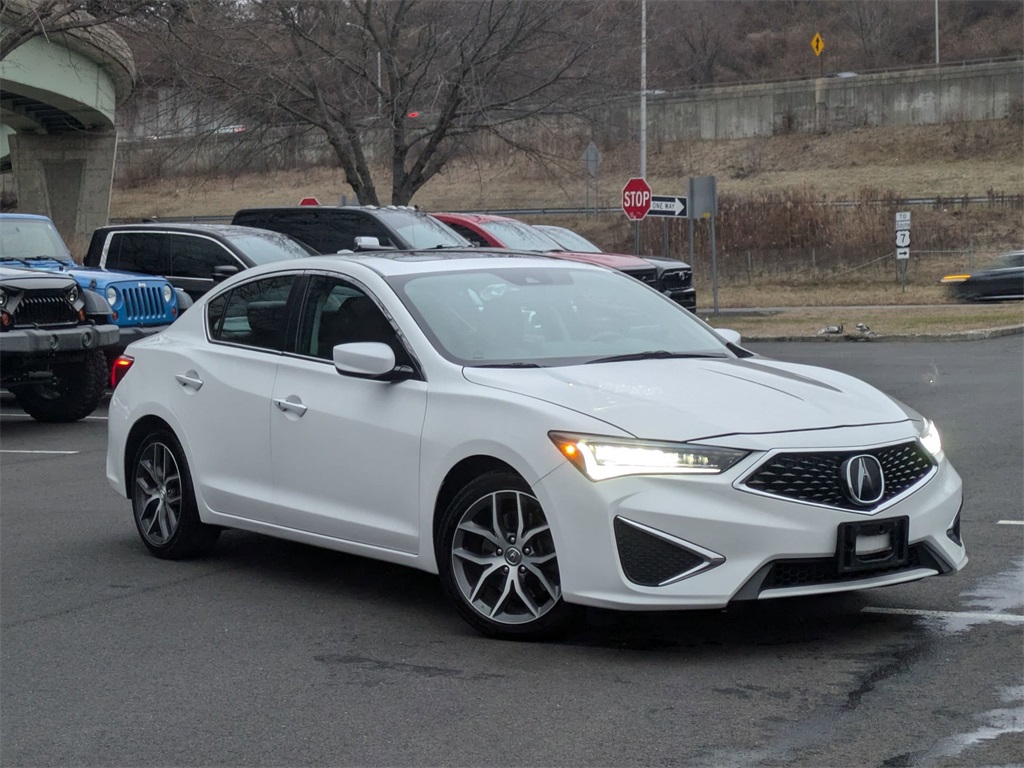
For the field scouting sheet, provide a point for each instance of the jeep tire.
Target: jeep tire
(72, 394)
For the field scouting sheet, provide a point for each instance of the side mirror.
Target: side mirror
(366, 243)
(730, 336)
(223, 272)
(369, 360)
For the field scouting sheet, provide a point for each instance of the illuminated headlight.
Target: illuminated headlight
(602, 458)
(3, 298)
(111, 295)
(930, 438)
(72, 294)
(168, 293)
(954, 278)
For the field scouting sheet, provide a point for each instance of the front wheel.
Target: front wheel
(164, 502)
(497, 560)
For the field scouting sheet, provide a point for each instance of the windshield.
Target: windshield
(270, 246)
(423, 231)
(31, 238)
(570, 240)
(520, 237)
(545, 316)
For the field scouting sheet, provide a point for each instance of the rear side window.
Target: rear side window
(254, 314)
(326, 231)
(137, 252)
(468, 233)
(193, 256)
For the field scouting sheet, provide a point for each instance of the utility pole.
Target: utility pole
(643, 112)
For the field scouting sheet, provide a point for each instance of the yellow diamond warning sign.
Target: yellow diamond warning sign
(817, 44)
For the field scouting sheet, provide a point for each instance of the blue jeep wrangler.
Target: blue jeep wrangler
(139, 305)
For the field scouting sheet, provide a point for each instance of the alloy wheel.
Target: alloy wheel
(157, 493)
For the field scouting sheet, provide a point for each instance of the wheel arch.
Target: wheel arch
(458, 477)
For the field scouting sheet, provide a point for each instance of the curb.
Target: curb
(976, 335)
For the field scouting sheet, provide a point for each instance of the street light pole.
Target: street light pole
(643, 112)
(936, 33)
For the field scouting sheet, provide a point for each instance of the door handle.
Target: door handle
(189, 379)
(292, 404)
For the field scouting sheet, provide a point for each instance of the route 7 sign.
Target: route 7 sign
(668, 205)
(903, 235)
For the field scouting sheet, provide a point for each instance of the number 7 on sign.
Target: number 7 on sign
(903, 239)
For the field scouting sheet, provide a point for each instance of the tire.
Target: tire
(501, 587)
(164, 502)
(72, 394)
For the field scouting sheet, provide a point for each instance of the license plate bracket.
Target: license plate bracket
(873, 554)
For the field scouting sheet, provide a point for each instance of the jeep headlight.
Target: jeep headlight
(3, 298)
(168, 293)
(602, 458)
(111, 295)
(930, 438)
(72, 294)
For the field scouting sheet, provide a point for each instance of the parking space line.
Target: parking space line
(54, 453)
(6, 414)
(1005, 618)
(1010, 522)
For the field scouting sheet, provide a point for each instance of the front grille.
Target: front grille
(649, 560)
(45, 308)
(144, 304)
(812, 572)
(815, 478)
(648, 276)
(676, 279)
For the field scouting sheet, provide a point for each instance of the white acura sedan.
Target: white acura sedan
(544, 435)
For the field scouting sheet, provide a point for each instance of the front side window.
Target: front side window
(520, 236)
(137, 252)
(338, 312)
(254, 314)
(193, 256)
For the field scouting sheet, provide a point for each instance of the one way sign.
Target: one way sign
(667, 205)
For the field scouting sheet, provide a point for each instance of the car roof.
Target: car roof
(391, 263)
(477, 217)
(24, 216)
(222, 230)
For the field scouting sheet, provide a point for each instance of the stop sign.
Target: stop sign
(636, 199)
(309, 201)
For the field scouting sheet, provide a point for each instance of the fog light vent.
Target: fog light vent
(652, 559)
(954, 530)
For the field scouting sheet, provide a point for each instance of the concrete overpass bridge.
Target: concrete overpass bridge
(57, 101)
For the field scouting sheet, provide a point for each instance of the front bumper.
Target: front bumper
(734, 538)
(684, 297)
(134, 333)
(31, 341)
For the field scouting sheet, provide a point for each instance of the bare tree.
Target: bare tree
(418, 77)
(22, 20)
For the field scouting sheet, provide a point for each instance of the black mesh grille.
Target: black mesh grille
(648, 276)
(144, 303)
(675, 280)
(45, 308)
(823, 570)
(815, 477)
(648, 560)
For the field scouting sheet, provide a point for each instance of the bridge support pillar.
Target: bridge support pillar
(67, 178)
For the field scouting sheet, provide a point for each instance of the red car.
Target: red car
(673, 278)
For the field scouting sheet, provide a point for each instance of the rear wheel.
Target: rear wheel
(497, 560)
(74, 391)
(164, 503)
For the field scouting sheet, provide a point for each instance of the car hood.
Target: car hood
(701, 398)
(29, 279)
(92, 277)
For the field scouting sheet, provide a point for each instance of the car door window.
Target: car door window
(338, 312)
(469, 234)
(254, 314)
(137, 252)
(193, 256)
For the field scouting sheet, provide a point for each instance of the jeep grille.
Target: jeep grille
(45, 308)
(144, 304)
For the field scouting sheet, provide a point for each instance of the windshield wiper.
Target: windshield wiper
(654, 354)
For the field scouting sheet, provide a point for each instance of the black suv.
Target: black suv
(192, 257)
(330, 229)
(53, 335)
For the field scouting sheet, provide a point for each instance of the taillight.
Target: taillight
(119, 369)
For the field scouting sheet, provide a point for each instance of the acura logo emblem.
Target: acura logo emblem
(865, 483)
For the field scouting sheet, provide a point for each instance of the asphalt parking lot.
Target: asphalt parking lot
(273, 653)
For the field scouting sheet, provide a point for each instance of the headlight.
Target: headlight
(930, 438)
(3, 298)
(72, 294)
(601, 458)
(111, 295)
(168, 293)
(954, 278)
